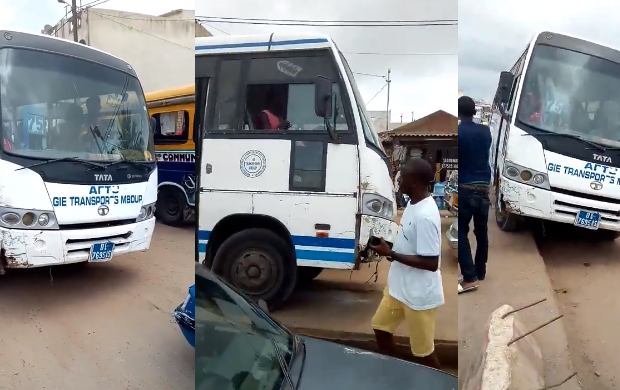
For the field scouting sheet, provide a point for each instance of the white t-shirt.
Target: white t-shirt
(419, 234)
(397, 181)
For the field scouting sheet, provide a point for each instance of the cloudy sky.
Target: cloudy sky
(19, 14)
(491, 37)
(422, 84)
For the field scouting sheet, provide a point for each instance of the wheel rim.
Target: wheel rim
(254, 272)
(172, 206)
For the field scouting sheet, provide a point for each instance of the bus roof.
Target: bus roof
(59, 45)
(571, 36)
(261, 43)
(171, 93)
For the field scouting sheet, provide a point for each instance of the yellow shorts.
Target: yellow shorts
(420, 323)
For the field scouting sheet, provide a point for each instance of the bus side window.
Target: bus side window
(227, 100)
(513, 94)
(308, 166)
(171, 127)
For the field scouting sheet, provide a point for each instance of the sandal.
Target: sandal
(468, 289)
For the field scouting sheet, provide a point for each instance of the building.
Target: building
(160, 48)
(433, 137)
(378, 119)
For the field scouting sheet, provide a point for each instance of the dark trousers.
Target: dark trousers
(473, 205)
(400, 200)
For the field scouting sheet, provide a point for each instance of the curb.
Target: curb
(447, 350)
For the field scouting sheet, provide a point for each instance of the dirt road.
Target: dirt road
(100, 327)
(585, 275)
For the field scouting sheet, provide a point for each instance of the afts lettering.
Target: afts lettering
(97, 196)
(595, 172)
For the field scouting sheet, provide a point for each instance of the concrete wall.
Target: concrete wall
(160, 48)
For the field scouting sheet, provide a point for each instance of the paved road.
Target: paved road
(585, 276)
(100, 327)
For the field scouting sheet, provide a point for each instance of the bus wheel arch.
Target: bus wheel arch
(506, 219)
(171, 205)
(260, 249)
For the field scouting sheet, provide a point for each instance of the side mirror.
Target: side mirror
(505, 85)
(263, 305)
(152, 125)
(323, 97)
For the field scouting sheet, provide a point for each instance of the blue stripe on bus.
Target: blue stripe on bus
(308, 41)
(323, 242)
(338, 257)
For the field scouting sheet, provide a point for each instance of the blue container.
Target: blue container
(185, 316)
(438, 191)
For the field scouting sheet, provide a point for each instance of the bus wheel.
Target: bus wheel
(607, 235)
(305, 275)
(259, 263)
(507, 221)
(171, 204)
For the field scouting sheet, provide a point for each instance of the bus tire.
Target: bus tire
(607, 235)
(171, 205)
(507, 221)
(305, 275)
(259, 263)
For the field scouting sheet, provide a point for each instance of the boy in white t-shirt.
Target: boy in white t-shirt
(414, 289)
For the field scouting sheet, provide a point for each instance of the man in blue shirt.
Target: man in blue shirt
(474, 182)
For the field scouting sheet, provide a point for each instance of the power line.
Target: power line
(320, 24)
(332, 21)
(377, 94)
(215, 28)
(399, 54)
(142, 31)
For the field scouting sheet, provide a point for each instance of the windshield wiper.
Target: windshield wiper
(573, 136)
(70, 159)
(283, 366)
(143, 164)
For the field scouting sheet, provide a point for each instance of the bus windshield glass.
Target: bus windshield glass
(55, 106)
(572, 93)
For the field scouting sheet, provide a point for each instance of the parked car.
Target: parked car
(185, 315)
(240, 347)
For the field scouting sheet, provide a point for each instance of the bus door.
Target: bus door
(176, 160)
(266, 152)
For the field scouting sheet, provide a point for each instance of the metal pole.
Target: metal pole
(387, 110)
(411, 116)
(74, 20)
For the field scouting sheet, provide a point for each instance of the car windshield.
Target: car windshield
(236, 342)
(572, 93)
(55, 106)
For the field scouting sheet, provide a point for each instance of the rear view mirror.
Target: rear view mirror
(323, 97)
(503, 88)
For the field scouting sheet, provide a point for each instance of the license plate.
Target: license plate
(102, 252)
(587, 219)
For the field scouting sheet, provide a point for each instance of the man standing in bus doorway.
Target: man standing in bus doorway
(474, 182)
(414, 289)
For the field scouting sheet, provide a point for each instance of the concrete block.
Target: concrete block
(502, 367)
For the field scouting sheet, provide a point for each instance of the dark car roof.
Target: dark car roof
(331, 366)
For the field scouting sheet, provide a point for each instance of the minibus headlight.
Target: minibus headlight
(377, 206)
(525, 175)
(14, 218)
(146, 212)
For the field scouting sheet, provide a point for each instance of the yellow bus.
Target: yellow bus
(173, 111)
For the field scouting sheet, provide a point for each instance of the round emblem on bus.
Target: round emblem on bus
(253, 163)
(595, 185)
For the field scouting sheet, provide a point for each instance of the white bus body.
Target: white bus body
(556, 149)
(316, 200)
(78, 182)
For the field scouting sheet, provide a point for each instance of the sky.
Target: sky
(50, 11)
(492, 37)
(422, 84)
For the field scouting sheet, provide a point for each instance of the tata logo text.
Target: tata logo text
(599, 157)
(103, 210)
(596, 185)
(103, 177)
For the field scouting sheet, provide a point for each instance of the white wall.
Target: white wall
(160, 49)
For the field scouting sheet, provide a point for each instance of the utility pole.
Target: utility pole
(74, 19)
(411, 116)
(387, 110)
(401, 118)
